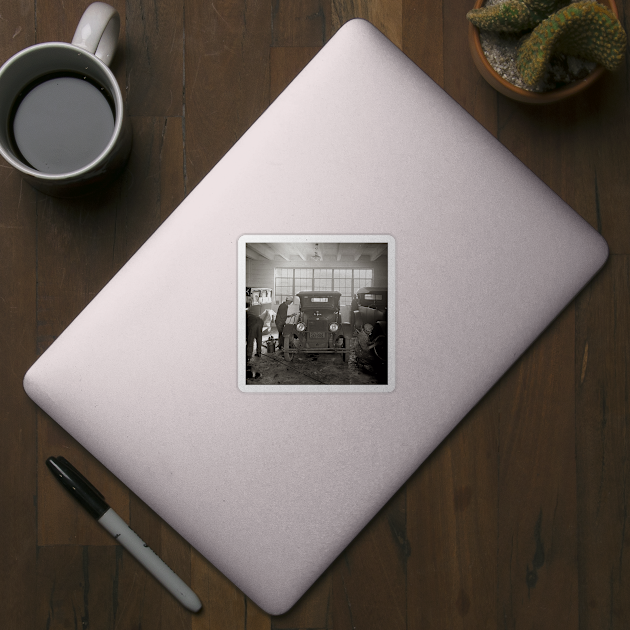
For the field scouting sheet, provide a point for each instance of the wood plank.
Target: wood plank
(423, 36)
(603, 443)
(57, 22)
(76, 587)
(171, 159)
(18, 415)
(152, 185)
(154, 60)
(226, 78)
(369, 586)
(565, 147)
(313, 610)
(575, 147)
(300, 23)
(452, 527)
(461, 78)
(537, 537)
(557, 148)
(608, 127)
(224, 606)
(17, 28)
(74, 249)
(18, 419)
(255, 618)
(386, 15)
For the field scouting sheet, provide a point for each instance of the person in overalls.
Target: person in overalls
(254, 327)
(281, 317)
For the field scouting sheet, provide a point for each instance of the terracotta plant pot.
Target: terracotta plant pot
(512, 91)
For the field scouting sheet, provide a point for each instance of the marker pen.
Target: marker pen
(94, 502)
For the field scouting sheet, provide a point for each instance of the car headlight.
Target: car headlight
(301, 327)
(334, 327)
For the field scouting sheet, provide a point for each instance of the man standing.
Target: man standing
(354, 306)
(254, 327)
(281, 317)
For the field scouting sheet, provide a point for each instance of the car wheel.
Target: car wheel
(287, 355)
(380, 347)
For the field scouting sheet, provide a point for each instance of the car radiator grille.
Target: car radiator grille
(318, 333)
(317, 325)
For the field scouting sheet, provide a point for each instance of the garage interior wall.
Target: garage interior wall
(260, 273)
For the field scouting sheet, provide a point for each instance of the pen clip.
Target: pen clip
(65, 463)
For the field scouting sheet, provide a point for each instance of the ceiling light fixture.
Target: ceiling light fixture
(317, 256)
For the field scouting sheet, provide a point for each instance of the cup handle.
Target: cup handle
(98, 30)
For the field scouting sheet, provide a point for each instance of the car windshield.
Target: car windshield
(319, 300)
(318, 304)
(375, 299)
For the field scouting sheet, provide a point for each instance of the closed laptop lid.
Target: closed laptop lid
(270, 486)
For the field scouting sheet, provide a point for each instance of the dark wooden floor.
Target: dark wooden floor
(518, 520)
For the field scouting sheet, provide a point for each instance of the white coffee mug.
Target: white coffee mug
(62, 114)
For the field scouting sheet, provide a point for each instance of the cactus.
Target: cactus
(513, 16)
(583, 29)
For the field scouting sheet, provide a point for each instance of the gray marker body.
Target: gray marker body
(149, 559)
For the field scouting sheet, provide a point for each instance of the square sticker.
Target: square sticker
(316, 313)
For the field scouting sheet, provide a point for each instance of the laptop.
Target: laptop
(271, 485)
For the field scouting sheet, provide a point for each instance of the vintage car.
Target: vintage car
(369, 319)
(317, 327)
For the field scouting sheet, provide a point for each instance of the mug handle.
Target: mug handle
(98, 30)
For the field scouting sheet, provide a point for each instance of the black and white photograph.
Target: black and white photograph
(315, 313)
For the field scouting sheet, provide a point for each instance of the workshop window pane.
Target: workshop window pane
(322, 284)
(362, 278)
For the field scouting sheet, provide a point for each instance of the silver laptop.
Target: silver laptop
(271, 485)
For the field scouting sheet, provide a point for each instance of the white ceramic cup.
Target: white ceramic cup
(88, 56)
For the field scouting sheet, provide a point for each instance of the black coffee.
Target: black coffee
(62, 123)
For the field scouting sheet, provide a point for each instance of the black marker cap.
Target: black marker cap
(78, 486)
